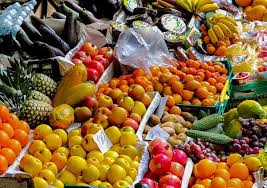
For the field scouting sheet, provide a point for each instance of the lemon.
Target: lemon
(93, 161)
(76, 164)
(128, 150)
(253, 163)
(132, 173)
(114, 134)
(123, 163)
(111, 154)
(95, 154)
(103, 169)
(39, 182)
(90, 173)
(95, 183)
(135, 164)
(58, 184)
(234, 158)
(128, 179)
(107, 161)
(115, 173)
(128, 138)
(116, 148)
(127, 158)
(67, 177)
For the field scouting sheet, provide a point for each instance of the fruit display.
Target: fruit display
(235, 172)
(254, 10)
(198, 6)
(95, 60)
(166, 167)
(14, 136)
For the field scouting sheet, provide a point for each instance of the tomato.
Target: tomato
(170, 180)
(161, 149)
(80, 55)
(90, 49)
(97, 66)
(104, 61)
(160, 164)
(155, 142)
(92, 74)
(151, 183)
(107, 52)
(179, 156)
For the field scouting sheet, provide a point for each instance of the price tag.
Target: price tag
(162, 104)
(157, 132)
(102, 141)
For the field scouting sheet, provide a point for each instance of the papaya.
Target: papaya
(76, 94)
(250, 109)
(233, 129)
(61, 117)
(74, 76)
(230, 115)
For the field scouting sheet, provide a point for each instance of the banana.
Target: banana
(189, 4)
(183, 5)
(219, 33)
(229, 19)
(194, 4)
(231, 26)
(212, 36)
(227, 32)
(208, 8)
(200, 3)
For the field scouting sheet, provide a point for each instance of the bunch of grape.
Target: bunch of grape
(197, 150)
(253, 138)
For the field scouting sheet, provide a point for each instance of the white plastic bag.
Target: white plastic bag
(142, 48)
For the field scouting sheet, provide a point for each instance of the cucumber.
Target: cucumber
(209, 137)
(218, 130)
(207, 122)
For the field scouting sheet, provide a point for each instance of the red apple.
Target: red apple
(107, 52)
(87, 61)
(80, 55)
(179, 156)
(160, 164)
(155, 142)
(136, 117)
(92, 74)
(171, 180)
(76, 61)
(102, 60)
(177, 169)
(90, 102)
(97, 66)
(151, 183)
(131, 123)
(162, 149)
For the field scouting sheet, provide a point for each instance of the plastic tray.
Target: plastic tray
(220, 105)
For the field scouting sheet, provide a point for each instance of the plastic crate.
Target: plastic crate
(220, 105)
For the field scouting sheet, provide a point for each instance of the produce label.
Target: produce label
(102, 141)
(162, 104)
(157, 132)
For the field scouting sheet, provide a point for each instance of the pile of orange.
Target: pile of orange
(14, 135)
(220, 48)
(192, 82)
(233, 174)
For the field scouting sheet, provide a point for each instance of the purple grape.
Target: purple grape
(254, 138)
(263, 140)
(242, 142)
(246, 139)
(208, 155)
(241, 152)
(249, 151)
(204, 152)
(196, 149)
(208, 150)
(261, 145)
(201, 156)
(256, 150)
(256, 144)
(187, 148)
(236, 141)
(236, 147)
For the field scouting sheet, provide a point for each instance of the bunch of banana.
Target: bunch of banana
(221, 27)
(197, 6)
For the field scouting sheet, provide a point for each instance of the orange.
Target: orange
(177, 98)
(167, 90)
(198, 186)
(205, 182)
(218, 182)
(3, 138)
(14, 145)
(221, 79)
(204, 66)
(170, 101)
(192, 85)
(113, 83)
(235, 182)
(21, 136)
(146, 100)
(164, 77)
(201, 74)
(138, 72)
(205, 84)
(9, 154)
(222, 165)
(13, 120)
(212, 81)
(187, 95)
(212, 89)
(157, 86)
(172, 79)
(24, 126)
(224, 71)
(155, 70)
(4, 112)
(224, 174)
(208, 102)
(59, 159)
(250, 178)
(177, 87)
(234, 158)
(164, 70)
(196, 102)
(202, 93)
(122, 82)
(243, 3)
(247, 184)
(8, 129)
(195, 170)
(3, 164)
(188, 78)
(124, 88)
(219, 86)
(239, 170)
(211, 69)
(186, 102)
(142, 81)
(149, 88)
(175, 110)
(206, 168)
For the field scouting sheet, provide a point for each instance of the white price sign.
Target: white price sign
(102, 141)
(157, 132)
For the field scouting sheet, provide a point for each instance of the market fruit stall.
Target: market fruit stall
(150, 94)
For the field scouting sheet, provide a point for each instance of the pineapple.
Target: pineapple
(44, 84)
(35, 112)
(36, 95)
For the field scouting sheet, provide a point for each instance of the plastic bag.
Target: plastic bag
(142, 48)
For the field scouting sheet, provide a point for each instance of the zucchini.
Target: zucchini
(218, 130)
(209, 137)
(207, 122)
(73, 6)
(88, 17)
(47, 51)
(69, 33)
(58, 15)
(31, 31)
(64, 9)
(50, 35)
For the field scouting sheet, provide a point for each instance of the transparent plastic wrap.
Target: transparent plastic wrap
(142, 48)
